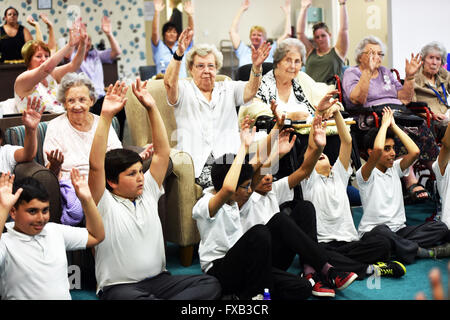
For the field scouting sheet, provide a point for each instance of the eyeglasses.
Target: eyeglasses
(202, 66)
(247, 187)
(380, 54)
(289, 61)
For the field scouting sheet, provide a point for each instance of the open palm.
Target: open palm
(32, 115)
(115, 98)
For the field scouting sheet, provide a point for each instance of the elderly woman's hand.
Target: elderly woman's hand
(142, 94)
(184, 40)
(260, 55)
(114, 100)
(412, 66)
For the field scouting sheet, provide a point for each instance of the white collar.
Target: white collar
(22, 236)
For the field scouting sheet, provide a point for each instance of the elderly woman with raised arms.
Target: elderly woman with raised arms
(205, 110)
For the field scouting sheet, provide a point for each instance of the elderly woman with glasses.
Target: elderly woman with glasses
(432, 84)
(205, 110)
(370, 84)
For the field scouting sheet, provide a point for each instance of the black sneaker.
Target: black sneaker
(442, 251)
(392, 269)
(340, 279)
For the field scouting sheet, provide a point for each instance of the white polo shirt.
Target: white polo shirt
(265, 206)
(208, 126)
(382, 199)
(329, 197)
(35, 267)
(217, 234)
(7, 160)
(443, 183)
(133, 248)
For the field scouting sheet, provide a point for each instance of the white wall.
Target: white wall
(415, 23)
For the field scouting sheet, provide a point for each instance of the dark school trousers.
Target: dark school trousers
(406, 241)
(246, 270)
(165, 287)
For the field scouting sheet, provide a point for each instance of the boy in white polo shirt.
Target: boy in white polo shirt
(131, 262)
(33, 263)
(442, 172)
(381, 194)
(336, 230)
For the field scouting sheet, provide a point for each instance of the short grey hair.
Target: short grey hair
(365, 41)
(287, 45)
(203, 50)
(434, 46)
(73, 79)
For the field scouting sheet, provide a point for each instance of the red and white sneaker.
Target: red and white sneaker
(340, 279)
(320, 289)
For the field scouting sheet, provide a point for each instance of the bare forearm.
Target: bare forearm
(29, 144)
(361, 90)
(115, 47)
(94, 223)
(171, 80)
(344, 133)
(160, 140)
(251, 88)
(406, 94)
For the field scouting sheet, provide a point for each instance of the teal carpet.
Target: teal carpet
(405, 288)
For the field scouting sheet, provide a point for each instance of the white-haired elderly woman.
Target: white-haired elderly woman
(370, 84)
(205, 110)
(296, 94)
(69, 137)
(432, 84)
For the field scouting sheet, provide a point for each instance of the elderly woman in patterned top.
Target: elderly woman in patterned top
(292, 90)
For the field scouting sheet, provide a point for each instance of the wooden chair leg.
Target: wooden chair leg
(186, 255)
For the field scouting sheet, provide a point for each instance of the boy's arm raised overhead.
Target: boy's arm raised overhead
(94, 223)
(161, 147)
(345, 150)
(113, 102)
(378, 145)
(444, 154)
(232, 177)
(7, 198)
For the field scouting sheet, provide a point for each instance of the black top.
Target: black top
(10, 47)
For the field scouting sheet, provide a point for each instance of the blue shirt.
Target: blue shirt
(162, 55)
(244, 54)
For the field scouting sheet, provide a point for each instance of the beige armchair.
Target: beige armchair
(181, 190)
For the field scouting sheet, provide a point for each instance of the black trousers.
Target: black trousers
(406, 241)
(165, 287)
(246, 269)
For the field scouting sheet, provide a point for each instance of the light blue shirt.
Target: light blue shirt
(244, 54)
(162, 55)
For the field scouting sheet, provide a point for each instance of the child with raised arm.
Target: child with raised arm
(336, 230)
(131, 262)
(441, 171)
(33, 262)
(11, 155)
(381, 194)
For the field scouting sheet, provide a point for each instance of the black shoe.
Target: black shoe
(340, 279)
(392, 269)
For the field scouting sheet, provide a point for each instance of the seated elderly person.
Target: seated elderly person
(295, 94)
(43, 73)
(205, 110)
(371, 84)
(432, 84)
(69, 138)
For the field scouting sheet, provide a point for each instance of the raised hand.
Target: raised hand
(245, 5)
(44, 18)
(80, 185)
(246, 134)
(106, 25)
(159, 5)
(32, 115)
(7, 198)
(55, 159)
(75, 32)
(388, 117)
(31, 20)
(319, 134)
(306, 3)
(260, 55)
(114, 100)
(326, 102)
(280, 117)
(188, 7)
(142, 94)
(148, 152)
(284, 144)
(184, 40)
(412, 66)
(286, 7)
